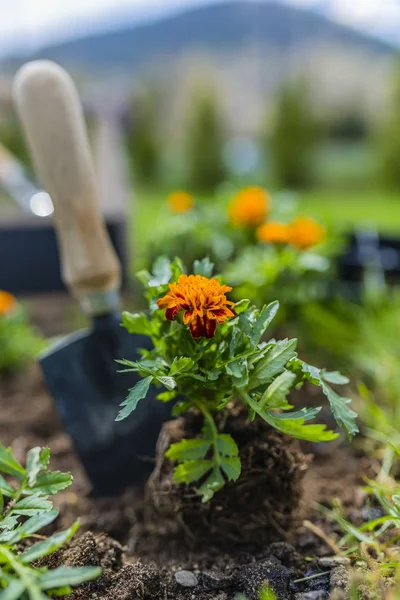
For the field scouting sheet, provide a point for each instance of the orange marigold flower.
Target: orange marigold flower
(305, 233)
(180, 201)
(7, 302)
(274, 232)
(203, 301)
(250, 207)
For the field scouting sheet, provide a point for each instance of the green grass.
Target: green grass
(348, 210)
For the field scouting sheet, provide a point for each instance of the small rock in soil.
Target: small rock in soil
(333, 561)
(340, 579)
(186, 579)
(215, 581)
(251, 578)
(314, 595)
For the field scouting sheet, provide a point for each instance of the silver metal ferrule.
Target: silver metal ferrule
(100, 303)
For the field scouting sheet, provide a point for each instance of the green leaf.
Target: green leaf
(50, 545)
(13, 591)
(162, 272)
(343, 414)
(51, 482)
(226, 445)
(241, 306)
(166, 396)
(37, 460)
(33, 525)
(6, 489)
(188, 450)
(214, 482)
(168, 382)
(231, 467)
(296, 428)
(273, 363)
(68, 576)
(135, 394)
(181, 365)
(192, 470)
(203, 267)
(31, 505)
(263, 321)
(137, 323)
(334, 377)
(275, 394)
(9, 465)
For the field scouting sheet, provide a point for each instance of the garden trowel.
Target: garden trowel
(80, 370)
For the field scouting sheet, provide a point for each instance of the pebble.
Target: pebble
(186, 579)
(314, 595)
(333, 561)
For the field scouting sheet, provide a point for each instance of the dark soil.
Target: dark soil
(115, 534)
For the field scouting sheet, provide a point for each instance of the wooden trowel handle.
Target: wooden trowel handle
(52, 117)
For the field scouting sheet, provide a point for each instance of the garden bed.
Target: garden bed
(137, 564)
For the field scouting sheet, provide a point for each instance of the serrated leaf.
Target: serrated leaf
(137, 323)
(212, 484)
(275, 394)
(13, 591)
(161, 273)
(273, 363)
(33, 525)
(50, 545)
(188, 450)
(31, 505)
(341, 410)
(203, 267)
(68, 576)
(263, 321)
(10, 522)
(5, 488)
(168, 382)
(226, 445)
(51, 482)
(181, 365)
(296, 428)
(37, 460)
(136, 394)
(334, 377)
(192, 470)
(9, 464)
(231, 467)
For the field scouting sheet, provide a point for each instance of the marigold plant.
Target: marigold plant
(207, 353)
(250, 207)
(305, 233)
(19, 342)
(180, 201)
(274, 232)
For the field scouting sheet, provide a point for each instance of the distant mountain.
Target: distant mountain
(216, 28)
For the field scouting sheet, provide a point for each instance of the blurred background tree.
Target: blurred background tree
(388, 137)
(293, 136)
(142, 137)
(205, 137)
(12, 138)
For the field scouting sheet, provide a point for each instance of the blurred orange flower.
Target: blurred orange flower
(274, 232)
(8, 302)
(180, 201)
(203, 301)
(305, 233)
(250, 207)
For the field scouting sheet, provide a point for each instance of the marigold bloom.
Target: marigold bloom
(274, 232)
(250, 207)
(203, 301)
(180, 201)
(306, 233)
(7, 302)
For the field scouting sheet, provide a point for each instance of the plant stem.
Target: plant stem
(213, 428)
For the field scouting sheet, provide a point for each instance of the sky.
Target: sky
(31, 23)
